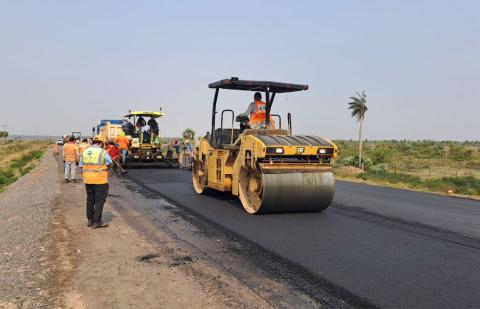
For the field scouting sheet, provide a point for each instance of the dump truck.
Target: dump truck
(109, 129)
(269, 169)
(145, 141)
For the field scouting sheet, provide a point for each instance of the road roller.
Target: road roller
(268, 168)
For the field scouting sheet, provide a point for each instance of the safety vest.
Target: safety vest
(95, 171)
(70, 151)
(122, 142)
(257, 119)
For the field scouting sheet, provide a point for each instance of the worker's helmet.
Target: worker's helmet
(98, 138)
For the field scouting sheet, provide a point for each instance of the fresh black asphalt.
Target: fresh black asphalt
(395, 248)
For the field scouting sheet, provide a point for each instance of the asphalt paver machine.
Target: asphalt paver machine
(270, 170)
(141, 127)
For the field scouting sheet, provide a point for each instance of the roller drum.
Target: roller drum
(287, 192)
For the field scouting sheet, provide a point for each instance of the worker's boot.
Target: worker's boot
(90, 223)
(67, 181)
(74, 180)
(99, 225)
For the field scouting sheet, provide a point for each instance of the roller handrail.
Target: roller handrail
(221, 125)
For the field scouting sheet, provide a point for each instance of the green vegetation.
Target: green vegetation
(188, 133)
(446, 167)
(358, 106)
(19, 158)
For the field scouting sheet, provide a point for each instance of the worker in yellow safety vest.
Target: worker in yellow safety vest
(95, 162)
(70, 159)
(257, 110)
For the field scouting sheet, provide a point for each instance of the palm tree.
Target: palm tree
(358, 105)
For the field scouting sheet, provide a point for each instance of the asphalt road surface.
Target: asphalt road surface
(394, 248)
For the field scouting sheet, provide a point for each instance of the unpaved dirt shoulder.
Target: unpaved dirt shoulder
(28, 272)
(134, 264)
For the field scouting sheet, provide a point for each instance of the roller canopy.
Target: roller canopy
(255, 85)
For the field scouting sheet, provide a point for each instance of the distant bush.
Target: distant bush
(353, 161)
(382, 153)
(459, 153)
(379, 168)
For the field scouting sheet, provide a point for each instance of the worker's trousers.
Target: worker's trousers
(124, 155)
(70, 168)
(96, 197)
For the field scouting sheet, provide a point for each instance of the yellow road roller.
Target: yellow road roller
(268, 168)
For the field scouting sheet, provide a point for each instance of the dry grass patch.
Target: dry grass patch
(18, 158)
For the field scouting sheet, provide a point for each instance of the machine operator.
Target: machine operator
(257, 110)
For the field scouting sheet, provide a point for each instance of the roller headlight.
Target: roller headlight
(274, 150)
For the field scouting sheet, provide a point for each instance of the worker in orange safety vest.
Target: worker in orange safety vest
(82, 146)
(95, 163)
(70, 159)
(257, 110)
(123, 144)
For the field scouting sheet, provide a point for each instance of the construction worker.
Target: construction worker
(113, 151)
(177, 146)
(189, 151)
(153, 126)
(123, 144)
(257, 110)
(82, 146)
(95, 162)
(70, 158)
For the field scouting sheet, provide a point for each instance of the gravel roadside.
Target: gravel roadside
(150, 256)
(27, 271)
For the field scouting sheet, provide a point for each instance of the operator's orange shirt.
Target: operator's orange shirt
(122, 142)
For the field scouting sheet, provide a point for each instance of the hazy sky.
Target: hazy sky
(66, 64)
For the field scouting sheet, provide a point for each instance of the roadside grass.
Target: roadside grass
(463, 185)
(445, 167)
(19, 158)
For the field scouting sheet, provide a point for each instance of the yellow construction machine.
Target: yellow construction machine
(145, 142)
(270, 170)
